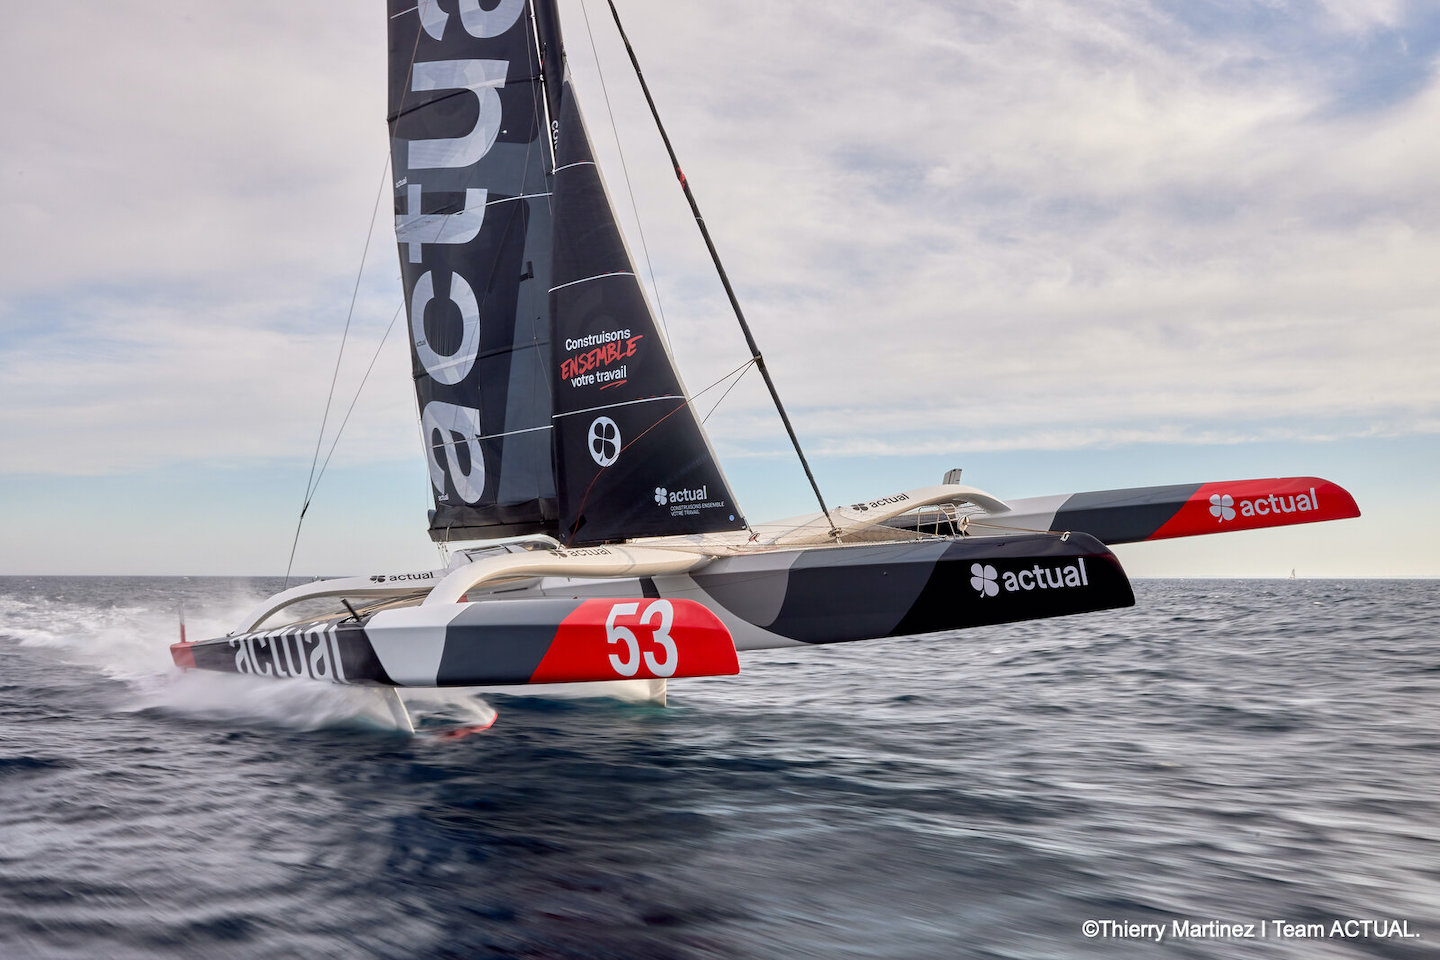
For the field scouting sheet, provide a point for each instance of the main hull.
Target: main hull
(529, 633)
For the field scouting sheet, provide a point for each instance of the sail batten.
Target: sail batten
(622, 403)
(598, 276)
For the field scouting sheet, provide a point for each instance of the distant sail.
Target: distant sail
(472, 219)
(633, 458)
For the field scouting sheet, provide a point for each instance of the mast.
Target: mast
(755, 354)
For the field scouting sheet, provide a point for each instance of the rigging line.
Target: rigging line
(349, 315)
(742, 370)
(539, 99)
(686, 405)
(625, 170)
(739, 374)
(477, 438)
(724, 277)
(311, 481)
(358, 390)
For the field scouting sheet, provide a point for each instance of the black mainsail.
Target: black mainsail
(548, 398)
(472, 218)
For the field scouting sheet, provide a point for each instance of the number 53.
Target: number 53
(628, 664)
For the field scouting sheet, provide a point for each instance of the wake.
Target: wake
(129, 642)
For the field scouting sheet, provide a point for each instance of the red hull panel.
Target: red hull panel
(1257, 504)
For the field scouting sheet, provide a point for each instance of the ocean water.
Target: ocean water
(1224, 760)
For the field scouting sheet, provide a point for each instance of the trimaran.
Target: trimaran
(594, 536)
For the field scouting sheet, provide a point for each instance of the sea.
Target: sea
(1232, 768)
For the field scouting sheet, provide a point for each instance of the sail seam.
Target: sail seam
(577, 163)
(612, 406)
(598, 276)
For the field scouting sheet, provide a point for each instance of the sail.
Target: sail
(548, 399)
(472, 179)
(633, 458)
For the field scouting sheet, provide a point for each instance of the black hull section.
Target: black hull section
(332, 651)
(835, 595)
(1033, 579)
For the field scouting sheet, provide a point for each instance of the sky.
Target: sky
(1072, 245)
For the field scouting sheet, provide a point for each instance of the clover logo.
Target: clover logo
(604, 441)
(1222, 505)
(662, 497)
(983, 578)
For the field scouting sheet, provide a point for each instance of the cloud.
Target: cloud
(155, 142)
(1082, 214)
(953, 224)
(122, 385)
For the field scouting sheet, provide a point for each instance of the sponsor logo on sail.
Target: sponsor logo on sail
(598, 364)
(988, 581)
(698, 494)
(1225, 507)
(427, 167)
(604, 441)
(688, 501)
